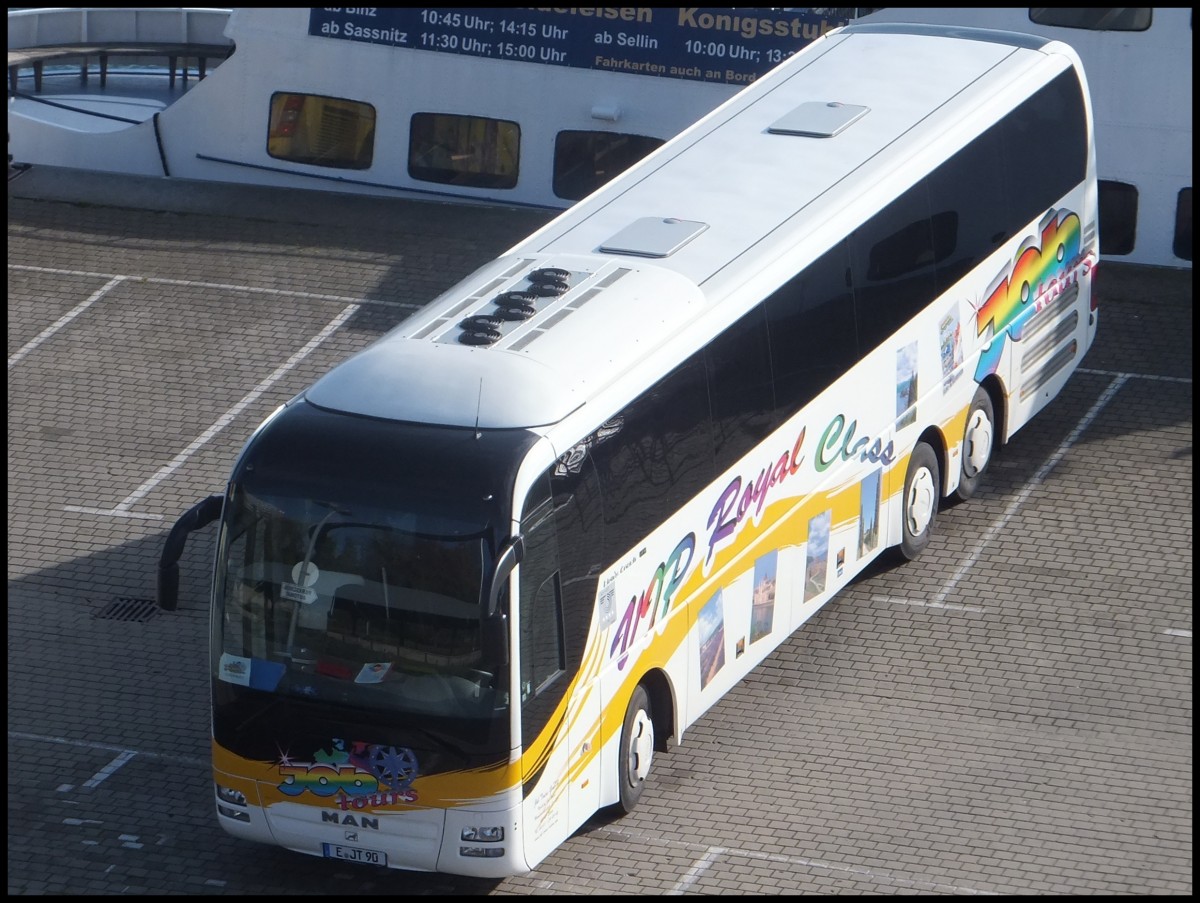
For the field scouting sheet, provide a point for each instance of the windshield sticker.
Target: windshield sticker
(373, 672)
(234, 669)
(301, 587)
(256, 673)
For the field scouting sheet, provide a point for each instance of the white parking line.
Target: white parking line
(699, 867)
(108, 770)
(879, 876)
(954, 606)
(91, 744)
(122, 509)
(247, 289)
(1116, 373)
(1052, 462)
(64, 320)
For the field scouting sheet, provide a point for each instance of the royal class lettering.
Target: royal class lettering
(838, 444)
(740, 496)
(656, 600)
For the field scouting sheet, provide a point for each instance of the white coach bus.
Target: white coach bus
(471, 582)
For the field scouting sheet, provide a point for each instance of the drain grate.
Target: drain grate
(124, 608)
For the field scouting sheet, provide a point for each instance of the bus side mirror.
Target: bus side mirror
(198, 516)
(510, 556)
(495, 640)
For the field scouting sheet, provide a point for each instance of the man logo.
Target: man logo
(349, 821)
(352, 835)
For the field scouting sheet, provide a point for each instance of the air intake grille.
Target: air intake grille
(515, 306)
(124, 608)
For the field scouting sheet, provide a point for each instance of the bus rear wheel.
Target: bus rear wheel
(978, 444)
(920, 502)
(637, 749)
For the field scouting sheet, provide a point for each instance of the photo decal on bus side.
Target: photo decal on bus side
(712, 639)
(950, 338)
(763, 609)
(868, 518)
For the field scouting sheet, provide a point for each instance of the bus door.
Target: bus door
(559, 711)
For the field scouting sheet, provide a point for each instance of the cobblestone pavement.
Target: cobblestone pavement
(1009, 715)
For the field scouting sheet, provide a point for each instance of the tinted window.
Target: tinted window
(969, 207)
(583, 161)
(739, 387)
(1045, 149)
(1183, 225)
(579, 521)
(1118, 217)
(658, 456)
(812, 330)
(321, 131)
(542, 657)
(892, 259)
(1097, 19)
(464, 150)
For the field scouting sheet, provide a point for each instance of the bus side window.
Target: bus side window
(1039, 172)
(659, 456)
(579, 525)
(969, 201)
(813, 335)
(739, 388)
(892, 259)
(542, 658)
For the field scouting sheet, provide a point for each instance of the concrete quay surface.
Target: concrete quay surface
(1011, 714)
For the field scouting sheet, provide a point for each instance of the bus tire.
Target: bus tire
(922, 493)
(637, 750)
(979, 440)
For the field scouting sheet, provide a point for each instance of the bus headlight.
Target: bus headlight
(482, 852)
(491, 834)
(236, 797)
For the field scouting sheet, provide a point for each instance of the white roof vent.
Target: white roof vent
(818, 119)
(653, 237)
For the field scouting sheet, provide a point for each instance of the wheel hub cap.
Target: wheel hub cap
(921, 499)
(641, 747)
(979, 442)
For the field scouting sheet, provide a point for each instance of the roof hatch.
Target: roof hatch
(818, 119)
(653, 237)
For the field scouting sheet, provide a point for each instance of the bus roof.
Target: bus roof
(532, 336)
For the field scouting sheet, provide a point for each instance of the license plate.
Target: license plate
(354, 854)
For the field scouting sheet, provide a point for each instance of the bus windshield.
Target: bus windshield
(354, 606)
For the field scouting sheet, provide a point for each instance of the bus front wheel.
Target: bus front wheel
(922, 493)
(978, 444)
(637, 749)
